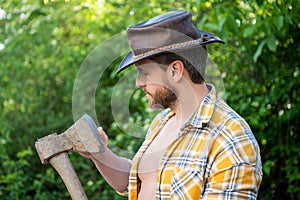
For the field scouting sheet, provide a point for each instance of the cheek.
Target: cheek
(153, 88)
(156, 81)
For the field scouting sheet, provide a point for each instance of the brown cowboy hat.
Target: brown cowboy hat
(169, 32)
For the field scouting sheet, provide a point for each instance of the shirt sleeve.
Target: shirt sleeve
(237, 182)
(235, 171)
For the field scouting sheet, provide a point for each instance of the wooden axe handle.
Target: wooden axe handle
(63, 166)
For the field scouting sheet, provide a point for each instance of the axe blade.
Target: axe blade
(82, 136)
(85, 136)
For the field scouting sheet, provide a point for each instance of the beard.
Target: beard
(163, 98)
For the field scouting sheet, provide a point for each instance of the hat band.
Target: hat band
(166, 48)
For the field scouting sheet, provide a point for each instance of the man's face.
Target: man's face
(152, 78)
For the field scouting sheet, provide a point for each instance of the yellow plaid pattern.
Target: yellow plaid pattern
(215, 156)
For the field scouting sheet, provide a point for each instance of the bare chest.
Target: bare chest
(152, 157)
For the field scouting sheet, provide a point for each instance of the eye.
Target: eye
(143, 72)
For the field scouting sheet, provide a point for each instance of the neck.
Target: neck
(188, 100)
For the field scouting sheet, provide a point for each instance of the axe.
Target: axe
(82, 136)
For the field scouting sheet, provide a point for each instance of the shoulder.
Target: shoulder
(235, 137)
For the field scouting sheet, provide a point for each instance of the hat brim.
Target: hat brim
(129, 60)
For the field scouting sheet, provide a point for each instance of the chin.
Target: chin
(156, 107)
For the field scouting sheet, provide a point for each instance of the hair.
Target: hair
(194, 61)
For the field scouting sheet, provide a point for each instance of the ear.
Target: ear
(175, 70)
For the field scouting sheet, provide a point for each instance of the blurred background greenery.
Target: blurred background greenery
(43, 43)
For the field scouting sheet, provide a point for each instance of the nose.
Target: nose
(140, 81)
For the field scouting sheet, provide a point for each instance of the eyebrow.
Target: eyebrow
(141, 68)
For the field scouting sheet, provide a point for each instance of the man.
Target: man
(197, 147)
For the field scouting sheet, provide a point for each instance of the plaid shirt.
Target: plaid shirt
(215, 156)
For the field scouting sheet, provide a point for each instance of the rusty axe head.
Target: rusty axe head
(82, 136)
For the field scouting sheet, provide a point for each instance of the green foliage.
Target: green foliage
(44, 43)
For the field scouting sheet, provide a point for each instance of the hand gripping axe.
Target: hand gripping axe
(82, 136)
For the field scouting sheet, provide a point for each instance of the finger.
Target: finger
(102, 132)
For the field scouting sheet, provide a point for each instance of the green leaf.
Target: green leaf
(258, 50)
(271, 42)
(249, 31)
(267, 167)
(221, 23)
(278, 21)
(231, 24)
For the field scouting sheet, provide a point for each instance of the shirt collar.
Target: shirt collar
(204, 113)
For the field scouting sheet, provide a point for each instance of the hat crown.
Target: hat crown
(169, 32)
(173, 15)
(164, 30)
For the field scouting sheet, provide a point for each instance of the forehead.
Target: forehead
(146, 64)
(143, 61)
